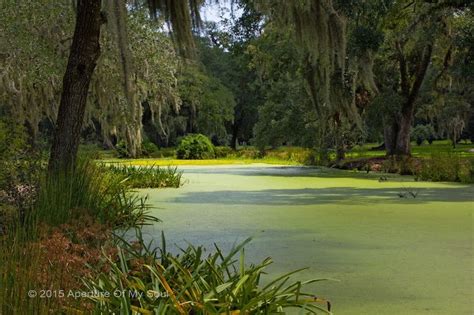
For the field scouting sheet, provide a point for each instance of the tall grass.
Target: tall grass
(91, 189)
(29, 239)
(151, 176)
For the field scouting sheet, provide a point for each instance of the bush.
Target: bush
(250, 153)
(149, 148)
(403, 165)
(148, 176)
(446, 168)
(223, 152)
(420, 133)
(121, 149)
(195, 147)
(194, 283)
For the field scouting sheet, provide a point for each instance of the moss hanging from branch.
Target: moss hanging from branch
(182, 16)
(34, 56)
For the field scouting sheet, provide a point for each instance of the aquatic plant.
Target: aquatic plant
(152, 176)
(154, 281)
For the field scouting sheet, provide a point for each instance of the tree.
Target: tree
(38, 37)
(85, 51)
(208, 106)
(226, 56)
(417, 33)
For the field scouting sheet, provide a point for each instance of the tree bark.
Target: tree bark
(402, 143)
(85, 51)
(390, 132)
(235, 133)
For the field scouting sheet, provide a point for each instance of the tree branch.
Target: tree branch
(403, 70)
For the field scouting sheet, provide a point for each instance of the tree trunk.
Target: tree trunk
(235, 132)
(85, 51)
(403, 146)
(390, 131)
(340, 153)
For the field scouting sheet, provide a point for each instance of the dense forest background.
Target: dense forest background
(406, 74)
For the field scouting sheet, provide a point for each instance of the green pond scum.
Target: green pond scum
(394, 245)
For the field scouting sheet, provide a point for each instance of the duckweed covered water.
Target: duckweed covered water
(391, 254)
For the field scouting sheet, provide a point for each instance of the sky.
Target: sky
(214, 12)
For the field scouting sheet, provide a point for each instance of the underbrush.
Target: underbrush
(151, 176)
(47, 243)
(437, 168)
(291, 154)
(446, 168)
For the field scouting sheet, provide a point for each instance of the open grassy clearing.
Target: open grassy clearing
(424, 150)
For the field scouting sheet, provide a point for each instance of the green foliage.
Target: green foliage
(207, 103)
(365, 38)
(89, 189)
(446, 168)
(17, 157)
(454, 116)
(37, 37)
(20, 171)
(225, 56)
(194, 283)
(286, 115)
(421, 133)
(223, 151)
(404, 165)
(121, 149)
(195, 147)
(147, 177)
(149, 148)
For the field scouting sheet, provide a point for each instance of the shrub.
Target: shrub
(149, 148)
(250, 153)
(223, 151)
(195, 147)
(148, 176)
(403, 165)
(121, 149)
(446, 168)
(192, 283)
(420, 133)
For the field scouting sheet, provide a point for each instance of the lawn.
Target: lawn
(424, 150)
